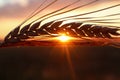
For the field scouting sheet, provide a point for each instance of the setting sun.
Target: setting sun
(63, 38)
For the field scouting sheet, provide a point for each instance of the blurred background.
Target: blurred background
(60, 63)
(55, 62)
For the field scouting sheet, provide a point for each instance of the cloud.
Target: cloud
(2, 3)
(22, 3)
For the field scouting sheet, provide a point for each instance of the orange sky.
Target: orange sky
(13, 15)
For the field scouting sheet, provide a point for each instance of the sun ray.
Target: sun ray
(70, 64)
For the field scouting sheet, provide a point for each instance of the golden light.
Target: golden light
(64, 38)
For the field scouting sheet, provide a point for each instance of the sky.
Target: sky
(13, 2)
(13, 12)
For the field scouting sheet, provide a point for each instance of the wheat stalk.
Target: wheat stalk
(74, 29)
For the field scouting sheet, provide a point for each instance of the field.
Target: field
(60, 63)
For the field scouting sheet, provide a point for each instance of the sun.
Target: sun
(64, 38)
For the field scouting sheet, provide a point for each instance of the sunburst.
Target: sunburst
(64, 38)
